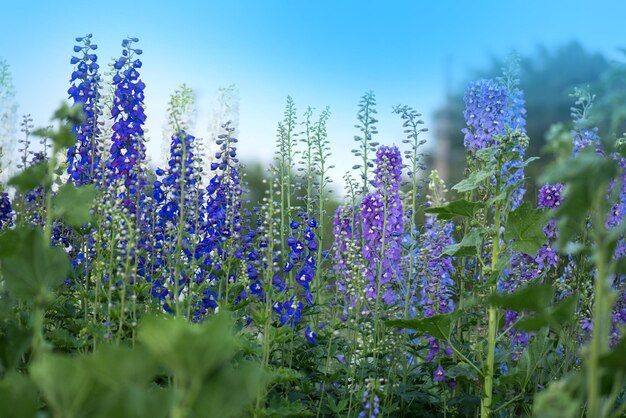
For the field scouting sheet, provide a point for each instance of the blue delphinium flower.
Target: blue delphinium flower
(486, 114)
(513, 170)
(310, 335)
(177, 200)
(83, 158)
(586, 137)
(222, 203)
(290, 311)
(492, 107)
(128, 151)
(34, 207)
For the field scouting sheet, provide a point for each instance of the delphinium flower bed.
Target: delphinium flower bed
(128, 291)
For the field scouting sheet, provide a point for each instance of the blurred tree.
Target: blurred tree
(547, 77)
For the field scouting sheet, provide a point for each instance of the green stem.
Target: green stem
(601, 314)
(485, 410)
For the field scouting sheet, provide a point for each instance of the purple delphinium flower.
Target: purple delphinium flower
(370, 401)
(381, 214)
(550, 196)
(435, 271)
(6, 211)
(439, 374)
(83, 158)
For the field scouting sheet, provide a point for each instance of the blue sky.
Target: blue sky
(320, 52)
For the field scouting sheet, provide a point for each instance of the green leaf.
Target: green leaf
(189, 350)
(468, 245)
(73, 204)
(533, 297)
(63, 137)
(462, 370)
(30, 178)
(230, 391)
(14, 343)
(474, 180)
(73, 114)
(32, 268)
(456, 208)
(18, 396)
(438, 326)
(558, 400)
(65, 384)
(615, 360)
(554, 317)
(586, 180)
(525, 227)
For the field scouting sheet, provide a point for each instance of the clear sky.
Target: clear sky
(320, 52)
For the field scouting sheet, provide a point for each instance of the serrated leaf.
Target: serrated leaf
(533, 297)
(460, 207)
(73, 204)
(615, 360)
(30, 178)
(474, 180)
(462, 370)
(438, 326)
(525, 228)
(32, 268)
(63, 137)
(586, 177)
(18, 396)
(554, 317)
(468, 245)
(189, 350)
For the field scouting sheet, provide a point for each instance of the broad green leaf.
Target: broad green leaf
(73, 114)
(66, 385)
(615, 360)
(533, 297)
(229, 391)
(558, 400)
(474, 180)
(18, 396)
(30, 178)
(438, 326)
(555, 316)
(525, 228)
(14, 343)
(462, 370)
(586, 178)
(190, 351)
(63, 137)
(32, 268)
(468, 245)
(456, 208)
(73, 204)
